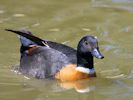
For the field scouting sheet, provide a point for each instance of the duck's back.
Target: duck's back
(43, 62)
(68, 51)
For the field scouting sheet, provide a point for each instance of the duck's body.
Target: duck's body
(47, 59)
(43, 62)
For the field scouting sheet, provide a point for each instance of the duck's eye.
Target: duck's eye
(86, 43)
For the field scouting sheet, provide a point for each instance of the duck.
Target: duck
(47, 59)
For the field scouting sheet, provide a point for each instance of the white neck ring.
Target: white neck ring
(85, 70)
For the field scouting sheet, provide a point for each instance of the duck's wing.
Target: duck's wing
(68, 51)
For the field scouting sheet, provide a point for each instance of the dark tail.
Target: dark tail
(29, 36)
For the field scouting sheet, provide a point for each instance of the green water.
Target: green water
(66, 21)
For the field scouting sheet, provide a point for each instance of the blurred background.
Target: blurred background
(66, 21)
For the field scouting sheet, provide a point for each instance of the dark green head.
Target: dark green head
(89, 45)
(86, 50)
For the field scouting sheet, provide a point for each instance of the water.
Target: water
(66, 21)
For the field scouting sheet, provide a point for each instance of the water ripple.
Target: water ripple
(129, 1)
(102, 4)
(19, 15)
(2, 11)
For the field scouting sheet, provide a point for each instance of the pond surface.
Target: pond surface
(66, 21)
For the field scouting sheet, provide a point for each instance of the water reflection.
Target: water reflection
(81, 86)
(106, 88)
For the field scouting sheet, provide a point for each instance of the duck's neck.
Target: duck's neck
(85, 62)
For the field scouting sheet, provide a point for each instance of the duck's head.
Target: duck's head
(86, 50)
(88, 45)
